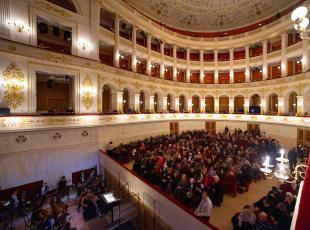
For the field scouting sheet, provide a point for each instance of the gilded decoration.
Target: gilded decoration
(14, 86)
(87, 96)
(53, 9)
(55, 57)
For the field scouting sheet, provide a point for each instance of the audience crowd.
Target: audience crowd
(188, 164)
(273, 211)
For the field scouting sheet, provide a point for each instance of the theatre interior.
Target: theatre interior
(154, 114)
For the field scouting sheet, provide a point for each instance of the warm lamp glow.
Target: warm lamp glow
(304, 23)
(299, 12)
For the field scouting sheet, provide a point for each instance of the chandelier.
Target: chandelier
(281, 169)
(301, 22)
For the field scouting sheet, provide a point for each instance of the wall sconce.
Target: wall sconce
(57, 136)
(20, 139)
(84, 133)
(85, 45)
(19, 26)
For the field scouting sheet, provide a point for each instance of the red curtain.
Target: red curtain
(303, 218)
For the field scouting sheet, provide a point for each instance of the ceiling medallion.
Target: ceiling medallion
(14, 86)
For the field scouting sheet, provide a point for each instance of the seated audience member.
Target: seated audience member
(289, 202)
(216, 192)
(109, 148)
(204, 208)
(247, 218)
(262, 222)
(89, 208)
(62, 186)
(283, 219)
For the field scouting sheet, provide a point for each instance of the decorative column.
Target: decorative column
(216, 105)
(165, 105)
(263, 105)
(177, 105)
(188, 70)
(247, 64)
(265, 44)
(152, 110)
(202, 105)
(171, 104)
(280, 105)
(116, 37)
(162, 61)
(201, 77)
(134, 49)
(189, 105)
(246, 105)
(305, 56)
(231, 65)
(231, 105)
(174, 77)
(283, 55)
(94, 25)
(148, 60)
(300, 105)
(216, 67)
(137, 103)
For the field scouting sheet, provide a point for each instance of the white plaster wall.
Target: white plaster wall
(47, 164)
(42, 157)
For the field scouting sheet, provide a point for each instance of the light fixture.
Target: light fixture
(301, 22)
(281, 170)
(19, 26)
(85, 45)
(124, 101)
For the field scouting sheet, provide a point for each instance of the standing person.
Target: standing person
(292, 157)
(44, 189)
(62, 186)
(205, 207)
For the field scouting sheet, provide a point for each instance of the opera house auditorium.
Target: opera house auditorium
(154, 114)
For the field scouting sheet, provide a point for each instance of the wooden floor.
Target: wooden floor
(221, 216)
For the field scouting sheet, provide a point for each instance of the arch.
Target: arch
(195, 103)
(170, 102)
(142, 101)
(106, 99)
(272, 101)
(126, 101)
(239, 104)
(255, 104)
(209, 104)
(71, 5)
(290, 103)
(223, 104)
(156, 103)
(182, 103)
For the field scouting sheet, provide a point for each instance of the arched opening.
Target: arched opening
(239, 104)
(182, 104)
(223, 104)
(273, 104)
(255, 104)
(126, 101)
(292, 103)
(66, 4)
(195, 104)
(106, 99)
(142, 102)
(209, 104)
(169, 103)
(156, 103)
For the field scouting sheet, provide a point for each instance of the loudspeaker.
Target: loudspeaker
(42, 28)
(67, 35)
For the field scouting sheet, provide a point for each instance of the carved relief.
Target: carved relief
(87, 96)
(53, 9)
(14, 86)
(55, 57)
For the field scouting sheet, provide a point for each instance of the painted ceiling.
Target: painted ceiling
(209, 15)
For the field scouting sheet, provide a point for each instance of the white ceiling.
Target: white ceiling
(209, 15)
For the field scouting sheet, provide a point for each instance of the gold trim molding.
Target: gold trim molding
(87, 95)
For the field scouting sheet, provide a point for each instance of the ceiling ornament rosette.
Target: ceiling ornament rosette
(209, 15)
